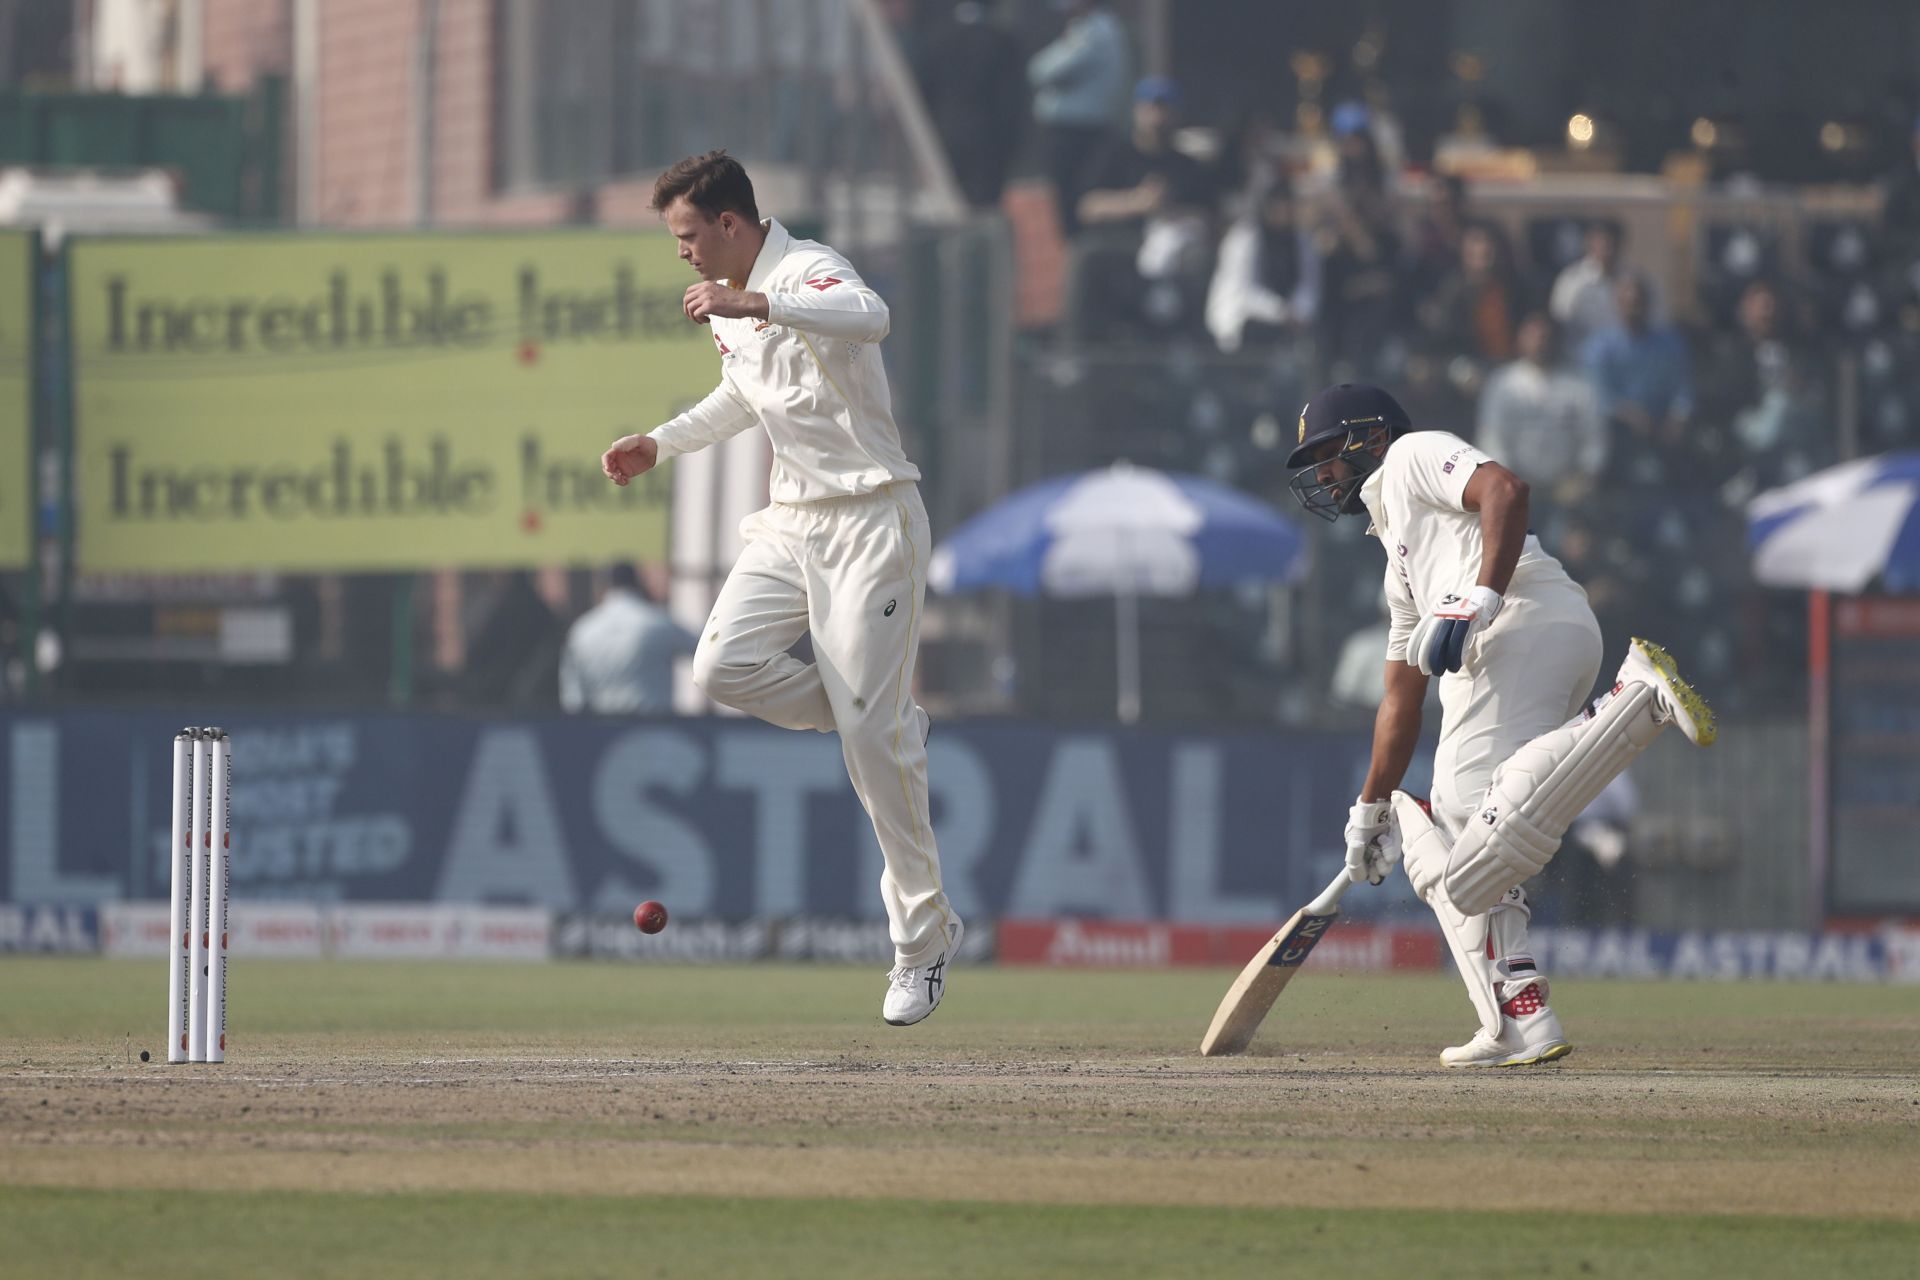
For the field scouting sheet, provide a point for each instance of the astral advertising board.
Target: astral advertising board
(717, 817)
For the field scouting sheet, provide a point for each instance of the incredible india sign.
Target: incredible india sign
(382, 402)
(16, 398)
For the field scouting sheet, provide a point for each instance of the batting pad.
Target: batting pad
(1538, 792)
(1423, 846)
(1514, 969)
(1467, 941)
(1424, 854)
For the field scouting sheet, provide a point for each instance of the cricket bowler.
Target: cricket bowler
(840, 551)
(1475, 600)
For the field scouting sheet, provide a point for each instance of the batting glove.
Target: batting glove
(1369, 830)
(1440, 639)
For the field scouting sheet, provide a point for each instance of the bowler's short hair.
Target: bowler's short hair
(714, 183)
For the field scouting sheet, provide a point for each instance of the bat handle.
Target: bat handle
(1329, 900)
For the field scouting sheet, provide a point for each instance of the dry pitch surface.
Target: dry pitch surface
(602, 1120)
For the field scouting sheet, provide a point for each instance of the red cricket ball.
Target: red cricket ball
(651, 917)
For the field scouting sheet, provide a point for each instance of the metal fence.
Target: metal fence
(1722, 835)
(814, 91)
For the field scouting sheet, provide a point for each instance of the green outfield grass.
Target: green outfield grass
(587, 1119)
(96, 1004)
(115, 1235)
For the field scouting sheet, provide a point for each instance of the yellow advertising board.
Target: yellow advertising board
(16, 399)
(379, 402)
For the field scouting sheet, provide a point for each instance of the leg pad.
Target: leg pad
(1538, 792)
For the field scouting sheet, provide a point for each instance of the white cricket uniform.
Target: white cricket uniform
(1527, 673)
(841, 552)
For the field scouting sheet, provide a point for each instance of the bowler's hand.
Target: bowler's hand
(628, 457)
(710, 298)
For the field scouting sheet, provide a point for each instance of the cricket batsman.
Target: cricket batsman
(1475, 600)
(840, 551)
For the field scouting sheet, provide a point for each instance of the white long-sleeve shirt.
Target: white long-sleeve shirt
(1417, 500)
(1237, 294)
(1082, 77)
(1544, 423)
(1583, 302)
(810, 372)
(619, 657)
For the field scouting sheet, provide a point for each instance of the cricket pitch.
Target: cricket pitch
(1757, 1127)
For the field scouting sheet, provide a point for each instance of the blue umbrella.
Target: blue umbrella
(1839, 529)
(1123, 531)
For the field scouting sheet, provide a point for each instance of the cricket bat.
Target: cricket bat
(1268, 973)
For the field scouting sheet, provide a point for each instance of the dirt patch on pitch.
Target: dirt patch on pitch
(1302, 1130)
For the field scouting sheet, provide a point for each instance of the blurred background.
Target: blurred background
(315, 314)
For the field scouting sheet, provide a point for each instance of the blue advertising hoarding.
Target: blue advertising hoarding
(718, 817)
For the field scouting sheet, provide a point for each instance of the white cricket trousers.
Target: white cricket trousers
(852, 571)
(1533, 671)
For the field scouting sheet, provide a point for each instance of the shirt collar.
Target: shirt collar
(1370, 496)
(771, 251)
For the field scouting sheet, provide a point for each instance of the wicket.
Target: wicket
(197, 967)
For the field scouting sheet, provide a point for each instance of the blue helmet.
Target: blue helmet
(1343, 423)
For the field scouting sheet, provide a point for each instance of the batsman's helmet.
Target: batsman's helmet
(1343, 423)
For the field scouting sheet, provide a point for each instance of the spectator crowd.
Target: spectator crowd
(1241, 266)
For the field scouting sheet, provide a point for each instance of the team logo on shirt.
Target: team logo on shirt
(824, 283)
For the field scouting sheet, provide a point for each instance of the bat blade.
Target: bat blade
(1266, 975)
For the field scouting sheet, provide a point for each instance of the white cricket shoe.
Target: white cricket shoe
(1647, 663)
(914, 990)
(1530, 1033)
